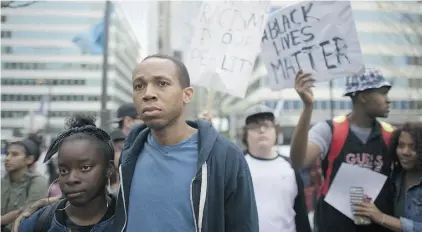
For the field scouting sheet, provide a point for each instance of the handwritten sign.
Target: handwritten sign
(319, 37)
(225, 45)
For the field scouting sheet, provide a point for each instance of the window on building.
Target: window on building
(16, 81)
(6, 50)
(415, 83)
(6, 34)
(414, 60)
(30, 98)
(404, 105)
(413, 104)
(325, 105)
(50, 66)
(297, 104)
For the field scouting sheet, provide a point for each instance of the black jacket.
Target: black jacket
(223, 174)
(301, 218)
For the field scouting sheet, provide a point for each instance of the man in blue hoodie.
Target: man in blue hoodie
(177, 175)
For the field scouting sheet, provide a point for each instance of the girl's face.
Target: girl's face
(406, 153)
(16, 158)
(83, 171)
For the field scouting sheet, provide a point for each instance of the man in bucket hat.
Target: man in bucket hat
(357, 138)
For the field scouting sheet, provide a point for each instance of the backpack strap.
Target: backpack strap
(339, 136)
(386, 131)
(46, 216)
(286, 159)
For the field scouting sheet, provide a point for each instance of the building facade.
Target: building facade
(39, 59)
(391, 40)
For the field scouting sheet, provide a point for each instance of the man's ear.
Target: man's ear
(29, 160)
(362, 97)
(187, 94)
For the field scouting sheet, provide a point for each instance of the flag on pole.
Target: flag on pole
(92, 41)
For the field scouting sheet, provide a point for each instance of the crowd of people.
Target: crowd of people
(159, 172)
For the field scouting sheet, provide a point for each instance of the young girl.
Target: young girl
(85, 161)
(20, 186)
(406, 150)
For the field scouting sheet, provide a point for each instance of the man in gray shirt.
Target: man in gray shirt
(357, 139)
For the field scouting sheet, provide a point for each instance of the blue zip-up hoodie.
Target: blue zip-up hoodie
(222, 194)
(57, 223)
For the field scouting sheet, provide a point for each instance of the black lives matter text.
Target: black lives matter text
(292, 38)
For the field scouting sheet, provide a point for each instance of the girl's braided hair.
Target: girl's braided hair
(82, 126)
(415, 131)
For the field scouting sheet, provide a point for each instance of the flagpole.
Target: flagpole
(104, 95)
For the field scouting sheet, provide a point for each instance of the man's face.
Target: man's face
(261, 133)
(376, 102)
(157, 93)
(16, 158)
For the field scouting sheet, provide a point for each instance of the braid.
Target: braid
(80, 125)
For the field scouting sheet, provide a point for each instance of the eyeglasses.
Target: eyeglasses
(258, 126)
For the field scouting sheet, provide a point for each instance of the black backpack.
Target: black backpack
(46, 216)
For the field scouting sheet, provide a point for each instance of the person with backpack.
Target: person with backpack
(20, 186)
(357, 138)
(406, 150)
(279, 189)
(85, 159)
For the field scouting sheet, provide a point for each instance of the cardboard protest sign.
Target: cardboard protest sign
(318, 37)
(225, 45)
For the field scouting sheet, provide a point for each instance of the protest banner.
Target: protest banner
(225, 45)
(318, 37)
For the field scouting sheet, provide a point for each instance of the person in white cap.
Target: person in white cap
(278, 187)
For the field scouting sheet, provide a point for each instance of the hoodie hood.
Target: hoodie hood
(207, 135)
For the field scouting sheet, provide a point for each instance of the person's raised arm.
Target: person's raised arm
(302, 153)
